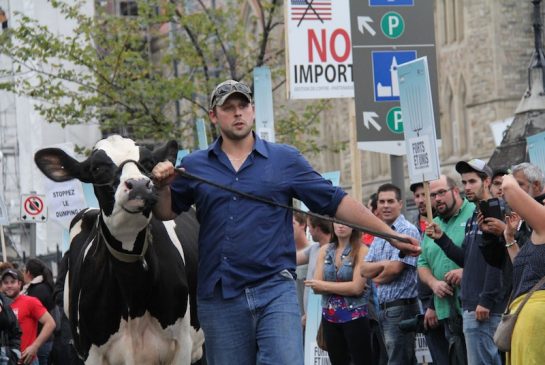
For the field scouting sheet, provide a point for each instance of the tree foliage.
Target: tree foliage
(149, 74)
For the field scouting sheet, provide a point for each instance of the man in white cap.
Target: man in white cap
(481, 283)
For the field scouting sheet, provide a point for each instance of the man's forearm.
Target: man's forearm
(391, 271)
(426, 276)
(371, 269)
(45, 333)
(352, 211)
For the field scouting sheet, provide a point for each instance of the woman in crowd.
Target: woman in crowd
(344, 298)
(39, 284)
(527, 342)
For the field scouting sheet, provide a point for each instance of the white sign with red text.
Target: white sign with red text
(319, 63)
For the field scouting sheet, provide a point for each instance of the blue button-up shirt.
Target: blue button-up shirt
(241, 241)
(404, 286)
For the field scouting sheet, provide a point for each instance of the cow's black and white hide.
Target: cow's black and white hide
(127, 287)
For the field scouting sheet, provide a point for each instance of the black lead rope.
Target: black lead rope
(384, 235)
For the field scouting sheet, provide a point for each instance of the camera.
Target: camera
(494, 208)
(415, 324)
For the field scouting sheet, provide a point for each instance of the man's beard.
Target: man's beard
(449, 210)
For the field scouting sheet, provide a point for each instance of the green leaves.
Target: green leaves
(150, 75)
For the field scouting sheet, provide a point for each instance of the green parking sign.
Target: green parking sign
(394, 120)
(392, 25)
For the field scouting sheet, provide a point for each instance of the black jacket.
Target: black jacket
(10, 333)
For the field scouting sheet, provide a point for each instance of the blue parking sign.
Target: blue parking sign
(391, 2)
(386, 83)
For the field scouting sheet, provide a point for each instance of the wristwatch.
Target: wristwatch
(509, 244)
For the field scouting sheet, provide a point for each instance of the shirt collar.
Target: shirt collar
(398, 223)
(453, 217)
(259, 146)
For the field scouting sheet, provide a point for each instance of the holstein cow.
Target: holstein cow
(128, 285)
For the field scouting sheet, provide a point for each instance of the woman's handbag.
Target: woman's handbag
(320, 338)
(504, 332)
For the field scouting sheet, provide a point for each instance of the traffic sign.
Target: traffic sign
(417, 106)
(404, 31)
(392, 25)
(391, 2)
(33, 208)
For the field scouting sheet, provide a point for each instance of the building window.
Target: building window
(128, 8)
(441, 22)
(465, 127)
(447, 124)
(450, 15)
(459, 13)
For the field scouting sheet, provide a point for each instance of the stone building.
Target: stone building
(483, 50)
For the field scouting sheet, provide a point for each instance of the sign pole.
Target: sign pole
(32, 240)
(428, 201)
(355, 152)
(4, 253)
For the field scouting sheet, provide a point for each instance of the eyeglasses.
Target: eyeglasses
(440, 193)
(228, 88)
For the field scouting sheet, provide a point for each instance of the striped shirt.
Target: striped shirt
(404, 286)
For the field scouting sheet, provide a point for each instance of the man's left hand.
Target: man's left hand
(482, 313)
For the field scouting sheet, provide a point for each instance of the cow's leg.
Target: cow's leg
(184, 350)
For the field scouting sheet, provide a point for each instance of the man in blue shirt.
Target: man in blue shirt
(395, 277)
(247, 302)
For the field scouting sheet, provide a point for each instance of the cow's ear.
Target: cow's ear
(58, 165)
(168, 151)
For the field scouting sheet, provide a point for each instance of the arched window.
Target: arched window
(446, 123)
(450, 17)
(465, 127)
(459, 11)
(441, 22)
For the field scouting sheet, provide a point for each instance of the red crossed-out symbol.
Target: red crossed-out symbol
(33, 205)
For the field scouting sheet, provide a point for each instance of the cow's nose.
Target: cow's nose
(138, 188)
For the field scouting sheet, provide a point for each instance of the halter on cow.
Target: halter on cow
(130, 283)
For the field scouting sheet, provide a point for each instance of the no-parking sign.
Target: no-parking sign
(33, 208)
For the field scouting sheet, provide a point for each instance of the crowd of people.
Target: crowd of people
(33, 327)
(481, 254)
(450, 276)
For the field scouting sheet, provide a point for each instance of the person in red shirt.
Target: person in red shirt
(29, 312)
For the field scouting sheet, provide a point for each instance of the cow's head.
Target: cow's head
(119, 171)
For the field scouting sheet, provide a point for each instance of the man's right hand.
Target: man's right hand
(163, 174)
(442, 289)
(430, 319)
(433, 231)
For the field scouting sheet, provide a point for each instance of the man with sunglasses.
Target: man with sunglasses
(247, 301)
(435, 269)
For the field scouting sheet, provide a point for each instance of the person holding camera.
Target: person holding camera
(527, 343)
(482, 303)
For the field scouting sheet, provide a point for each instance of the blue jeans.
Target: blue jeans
(260, 326)
(399, 344)
(44, 351)
(480, 339)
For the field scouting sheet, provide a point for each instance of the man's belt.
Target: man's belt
(397, 303)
